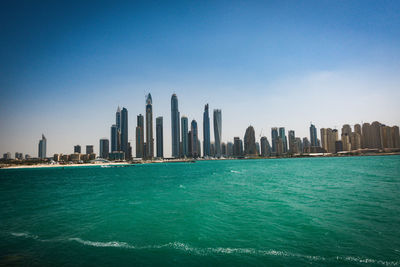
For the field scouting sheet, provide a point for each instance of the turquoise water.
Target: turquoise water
(320, 211)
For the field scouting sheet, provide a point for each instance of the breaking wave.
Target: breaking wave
(218, 250)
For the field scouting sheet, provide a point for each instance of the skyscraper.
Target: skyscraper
(175, 126)
(206, 132)
(89, 149)
(124, 132)
(42, 147)
(292, 140)
(313, 136)
(264, 146)
(237, 147)
(185, 144)
(250, 142)
(140, 136)
(149, 128)
(274, 137)
(104, 148)
(77, 149)
(282, 135)
(217, 131)
(114, 138)
(194, 139)
(159, 137)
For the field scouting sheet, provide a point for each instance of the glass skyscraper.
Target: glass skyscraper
(149, 128)
(175, 126)
(124, 132)
(274, 137)
(159, 137)
(313, 136)
(194, 139)
(217, 131)
(42, 147)
(282, 135)
(140, 136)
(104, 148)
(185, 141)
(206, 132)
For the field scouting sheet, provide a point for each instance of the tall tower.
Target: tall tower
(42, 147)
(185, 141)
(292, 140)
(206, 132)
(140, 136)
(274, 137)
(175, 126)
(159, 137)
(195, 139)
(313, 136)
(282, 135)
(104, 148)
(217, 131)
(115, 138)
(250, 142)
(124, 132)
(149, 127)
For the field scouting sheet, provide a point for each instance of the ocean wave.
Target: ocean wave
(115, 244)
(233, 171)
(24, 234)
(217, 250)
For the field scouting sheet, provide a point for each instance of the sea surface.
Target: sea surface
(285, 212)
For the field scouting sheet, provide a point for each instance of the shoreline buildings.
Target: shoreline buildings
(149, 146)
(217, 132)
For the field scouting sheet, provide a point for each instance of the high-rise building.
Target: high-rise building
(229, 149)
(298, 146)
(250, 142)
(124, 132)
(89, 149)
(185, 128)
(190, 142)
(206, 132)
(279, 146)
(357, 129)
(159, 137)
(175, 126)
(217, 131)
(7, 156)
(328, 139)
(114, 138)
(194, 139)
(396, 137)
(118, 118)
(223, 149)
(346, 145)
(274, 136)
(376, 134)
(306, 145)
(149, 128)
(313, 136)
(292, 140)
(104, 148)
(265, 149)
(258, 148)
(282, 135)
(77, 149)
(386, 136)
(346, 129)
(355, 140)
(140, 136)
(42, 147)
(19, 156)
(237, 147)
(212, 149)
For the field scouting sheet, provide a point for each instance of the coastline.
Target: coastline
(129, 163)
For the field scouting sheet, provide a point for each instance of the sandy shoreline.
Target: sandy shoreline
(65, 165)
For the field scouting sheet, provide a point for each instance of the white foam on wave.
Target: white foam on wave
(182, 186)
(217, 250)
(233, 171)
(115, 244)
(26, 235)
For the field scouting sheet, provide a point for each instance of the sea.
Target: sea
(336, 211)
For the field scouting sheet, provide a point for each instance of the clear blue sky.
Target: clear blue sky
(66, 66)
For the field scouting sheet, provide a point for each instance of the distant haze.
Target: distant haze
(66, 67)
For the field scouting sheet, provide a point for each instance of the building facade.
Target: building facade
(149, 128)
(159, 137)
(217, 131)
(206, 132)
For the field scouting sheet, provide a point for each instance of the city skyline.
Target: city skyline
(265, 65)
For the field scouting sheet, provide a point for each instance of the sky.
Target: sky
(65, 66)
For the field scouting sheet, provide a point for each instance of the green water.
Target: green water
(320, 211)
